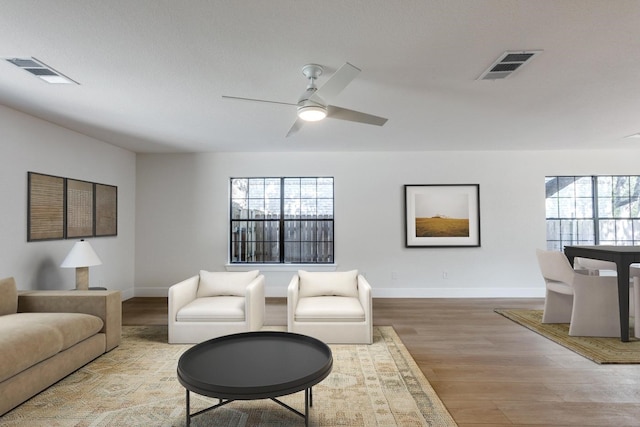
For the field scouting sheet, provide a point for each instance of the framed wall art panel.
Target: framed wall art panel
(79, 209)
(106, 210)
(45, 206)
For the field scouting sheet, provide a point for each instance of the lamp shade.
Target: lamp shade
(81, 255)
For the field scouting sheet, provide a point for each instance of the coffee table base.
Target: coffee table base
(308, 402)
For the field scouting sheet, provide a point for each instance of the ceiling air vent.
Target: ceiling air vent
(508, 62)
(41, 70)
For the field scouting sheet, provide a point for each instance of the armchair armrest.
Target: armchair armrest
(181, 294)
(255, 304)
(293, 290)
(364, 295)
(106, 305)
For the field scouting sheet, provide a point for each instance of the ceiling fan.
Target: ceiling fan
(313, 104)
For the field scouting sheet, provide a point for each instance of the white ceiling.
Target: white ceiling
(152, 72)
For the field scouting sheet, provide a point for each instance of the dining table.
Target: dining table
(623, 256)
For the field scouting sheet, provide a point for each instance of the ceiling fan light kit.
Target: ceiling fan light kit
(312, 105)
(312, 113)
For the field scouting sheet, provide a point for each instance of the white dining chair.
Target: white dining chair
(596, 267)
(588, 303)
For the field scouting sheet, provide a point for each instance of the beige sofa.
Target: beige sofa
(46, 335)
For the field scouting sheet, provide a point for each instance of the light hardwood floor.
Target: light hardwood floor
(487, 370)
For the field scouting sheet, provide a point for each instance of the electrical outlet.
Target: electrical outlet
(445, 275)
(394, 275)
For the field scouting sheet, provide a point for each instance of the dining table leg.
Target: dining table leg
(623, 298)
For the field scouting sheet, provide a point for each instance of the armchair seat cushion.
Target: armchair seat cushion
(213, 309)
(329, 309)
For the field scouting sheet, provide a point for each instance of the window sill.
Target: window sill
(281, 267)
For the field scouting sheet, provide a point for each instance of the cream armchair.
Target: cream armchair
(334, 307)
(213, 304)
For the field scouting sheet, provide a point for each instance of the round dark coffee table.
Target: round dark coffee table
(255, 365)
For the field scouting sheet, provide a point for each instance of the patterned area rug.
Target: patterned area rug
(599, 350)
(136, 385)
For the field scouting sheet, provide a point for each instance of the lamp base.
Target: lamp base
(82, 278)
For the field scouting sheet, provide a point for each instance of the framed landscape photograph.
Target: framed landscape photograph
(445, 215)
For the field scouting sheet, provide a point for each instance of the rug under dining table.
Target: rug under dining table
(601, 350)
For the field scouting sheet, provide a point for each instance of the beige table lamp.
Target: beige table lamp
(81, 257)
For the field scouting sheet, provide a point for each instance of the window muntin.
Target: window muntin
(590, 210)
(282, 220)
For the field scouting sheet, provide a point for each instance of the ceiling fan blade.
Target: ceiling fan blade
(354, 116)
(236, 98)
(296, 127)
(336, 83)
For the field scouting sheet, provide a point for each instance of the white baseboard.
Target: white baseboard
(129, 293)
(458, 292)
(281, 292)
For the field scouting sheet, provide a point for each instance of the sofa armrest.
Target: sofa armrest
(255, 303)
(106, 305)
(293, 291)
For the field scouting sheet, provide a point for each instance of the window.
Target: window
(281, 220)
(592, 210)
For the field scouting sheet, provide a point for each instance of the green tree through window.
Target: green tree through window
(592, 210)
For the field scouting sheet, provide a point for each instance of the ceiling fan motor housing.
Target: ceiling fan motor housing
(308, 110)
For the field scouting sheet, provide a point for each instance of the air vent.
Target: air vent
(507, 64)
(41, 70)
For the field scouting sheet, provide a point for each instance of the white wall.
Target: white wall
(182, 215)
(29, 144)
(173, 212)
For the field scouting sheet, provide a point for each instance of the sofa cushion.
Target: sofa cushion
(8, 296)
(329, 309)
(29, 338)
(213, 309)
(224, 283)
(339, 283)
